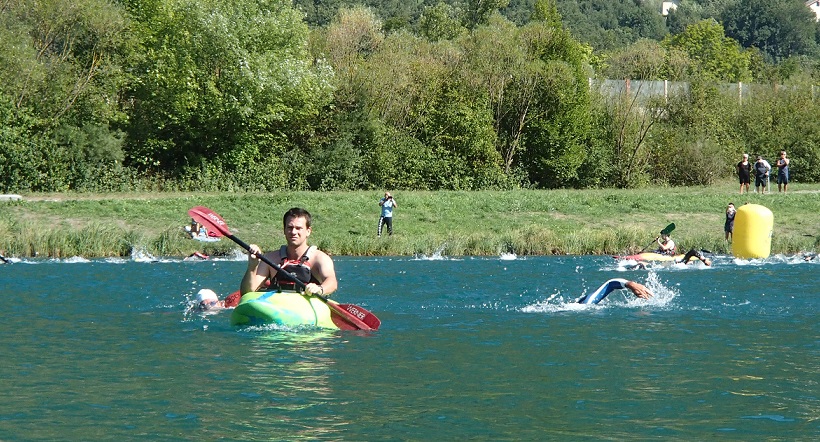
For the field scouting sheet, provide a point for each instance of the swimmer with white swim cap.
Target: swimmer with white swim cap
(206, 299)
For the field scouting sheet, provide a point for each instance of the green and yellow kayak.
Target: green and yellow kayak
(286, 308)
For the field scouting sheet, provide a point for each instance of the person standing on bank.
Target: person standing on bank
(388, 203)
(729, 225)
(762, 168)
(744, 173)
(307, 263)
(782, 172)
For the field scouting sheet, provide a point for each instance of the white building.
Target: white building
(667, 6)
(814, 5)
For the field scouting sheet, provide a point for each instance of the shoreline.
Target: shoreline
(452, 223)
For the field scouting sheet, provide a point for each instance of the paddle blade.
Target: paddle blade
(352, 317)
(368, 318)
(214, 223)
(341, 321)
(668, 229)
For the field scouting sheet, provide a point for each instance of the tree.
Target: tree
(478, 12)
(537, 89)
(61, 73)
(612, 24)
(227, 82)
(643, 60)
(717, 56)
(547, 11)
(440, 22)
(780, 28)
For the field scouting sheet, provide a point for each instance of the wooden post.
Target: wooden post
(740, 92)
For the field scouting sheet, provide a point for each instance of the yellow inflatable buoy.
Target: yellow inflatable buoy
(752, 235)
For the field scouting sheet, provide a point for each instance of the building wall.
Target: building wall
(668, 6)
(814, 5)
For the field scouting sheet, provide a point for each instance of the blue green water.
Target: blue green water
(473, 348)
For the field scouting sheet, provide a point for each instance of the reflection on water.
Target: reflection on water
(288, 374)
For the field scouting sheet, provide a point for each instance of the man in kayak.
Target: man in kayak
(689, 257)
(637, 289)
(307, 263)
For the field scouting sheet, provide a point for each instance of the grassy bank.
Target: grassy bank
(523, 222)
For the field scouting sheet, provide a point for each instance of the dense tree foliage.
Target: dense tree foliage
(716, 56)
(779, 28)
(131, 94)
(227, 82)
(61, 72)
(612, 24)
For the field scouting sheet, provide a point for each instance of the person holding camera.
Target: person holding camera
(729, 224)
(388, 203)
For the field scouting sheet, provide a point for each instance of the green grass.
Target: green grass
(524, 222)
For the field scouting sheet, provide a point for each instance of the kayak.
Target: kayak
(286, 308)
(650, 256)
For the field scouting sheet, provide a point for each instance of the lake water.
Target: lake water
(470, 348)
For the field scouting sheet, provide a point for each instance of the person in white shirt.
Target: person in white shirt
(388, 203)
(762, 169)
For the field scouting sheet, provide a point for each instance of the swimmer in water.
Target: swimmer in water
(637, 289)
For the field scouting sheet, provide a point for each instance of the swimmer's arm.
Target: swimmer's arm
(638, 289)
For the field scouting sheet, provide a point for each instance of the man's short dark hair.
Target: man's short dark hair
(296, 212)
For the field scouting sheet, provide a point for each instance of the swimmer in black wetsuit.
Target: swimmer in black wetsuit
(695, 254)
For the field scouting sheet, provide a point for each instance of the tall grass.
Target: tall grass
(524, 222)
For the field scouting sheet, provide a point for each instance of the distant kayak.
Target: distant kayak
(650, 256)
(286, 308)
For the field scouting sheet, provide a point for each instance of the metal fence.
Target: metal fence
(644, 90)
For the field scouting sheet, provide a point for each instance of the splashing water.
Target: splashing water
(663, 296)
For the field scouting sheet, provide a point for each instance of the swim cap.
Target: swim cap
(206, 297)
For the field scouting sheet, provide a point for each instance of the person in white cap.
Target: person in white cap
(206, 299)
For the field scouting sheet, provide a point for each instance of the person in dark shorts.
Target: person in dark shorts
(744, 173)
(762, 168)
(782, 172)
(691, 254)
